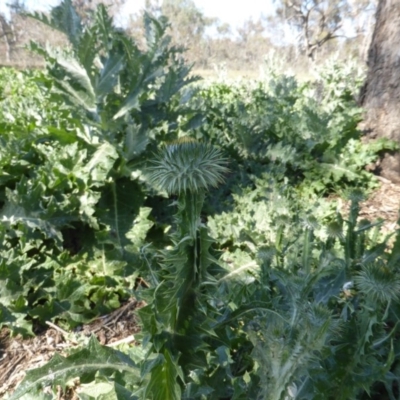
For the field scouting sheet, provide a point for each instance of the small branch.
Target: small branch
(64, 333)
(11, 367)
(128, 339)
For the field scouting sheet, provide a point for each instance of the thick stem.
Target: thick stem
(189, 210)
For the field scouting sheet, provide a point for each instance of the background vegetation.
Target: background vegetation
(300, 33)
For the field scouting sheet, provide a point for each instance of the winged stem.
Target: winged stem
(185, 168)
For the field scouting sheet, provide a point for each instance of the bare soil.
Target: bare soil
(383, 203)
(18, 355)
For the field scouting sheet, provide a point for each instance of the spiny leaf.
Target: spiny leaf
(76, 83)
(108, 77)
(12, 214)
(104, 27)
(87, 361)
(101, 163)
(131, 102)
(140, 228)
(15, 321)
(63, 18)
(136, 141)
(378, 282)
(163, 384)
(154, 30)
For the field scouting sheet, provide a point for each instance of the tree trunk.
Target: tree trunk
(8, 36)
(380, 95)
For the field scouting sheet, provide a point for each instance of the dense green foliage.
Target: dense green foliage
(303, 132)
(74, 218)
(259, 287)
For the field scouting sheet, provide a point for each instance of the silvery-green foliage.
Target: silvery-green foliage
(277, 125)
(332, 310)
(73, 151)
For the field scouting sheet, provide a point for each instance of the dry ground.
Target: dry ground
(383, 203)
(17, 355)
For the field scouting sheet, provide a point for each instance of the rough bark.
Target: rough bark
(380, 95)
(7, 33)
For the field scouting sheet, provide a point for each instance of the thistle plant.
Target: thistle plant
(187, 169)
